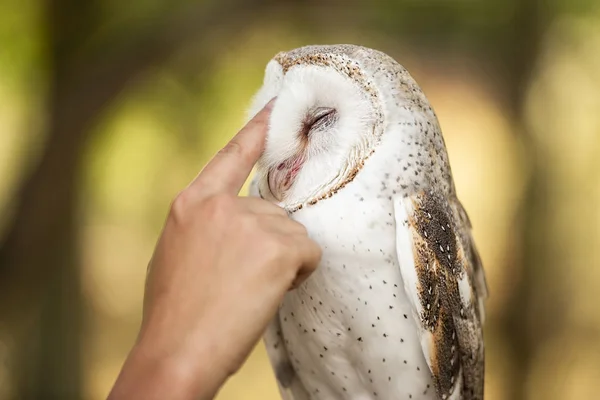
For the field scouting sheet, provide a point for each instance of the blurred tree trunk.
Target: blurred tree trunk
(530, 317)
(41, 302)
(39, 254)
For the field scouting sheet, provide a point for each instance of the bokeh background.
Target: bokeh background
(109, 108)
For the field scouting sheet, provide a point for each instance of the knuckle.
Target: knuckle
(218, 201)
(234, 149)
(276, 248)
(319, 252)
(218, 205)
(282, 258)
(301, 228)
(249, 224)
(272, 208)
(181, 205)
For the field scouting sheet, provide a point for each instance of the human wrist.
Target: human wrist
(153, 372)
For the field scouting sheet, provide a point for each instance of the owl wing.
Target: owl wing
(290, 386)
(445, 284)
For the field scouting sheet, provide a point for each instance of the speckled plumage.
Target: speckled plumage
(395, 309)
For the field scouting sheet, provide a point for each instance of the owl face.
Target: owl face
(325, 122)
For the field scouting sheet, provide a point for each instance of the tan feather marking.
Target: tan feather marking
(335, 189)
(439, 263)
(435, 317)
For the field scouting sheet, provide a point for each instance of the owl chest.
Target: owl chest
(358, 277)
(358, 270)
(348, 329)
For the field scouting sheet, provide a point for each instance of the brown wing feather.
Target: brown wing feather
(438, 262)
(474, 260)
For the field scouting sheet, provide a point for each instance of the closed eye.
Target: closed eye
(319, 118)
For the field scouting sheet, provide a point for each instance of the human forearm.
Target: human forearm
(149, 373)
(220, 269)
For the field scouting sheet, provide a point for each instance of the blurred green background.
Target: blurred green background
(109, 108)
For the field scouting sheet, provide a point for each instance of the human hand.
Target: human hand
(219, 271)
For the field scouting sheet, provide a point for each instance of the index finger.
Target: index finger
(230, 167)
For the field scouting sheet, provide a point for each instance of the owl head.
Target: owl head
(332, 107)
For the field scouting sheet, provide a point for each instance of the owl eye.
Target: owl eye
(319, 118)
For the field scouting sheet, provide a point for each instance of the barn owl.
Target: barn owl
(395, 309)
